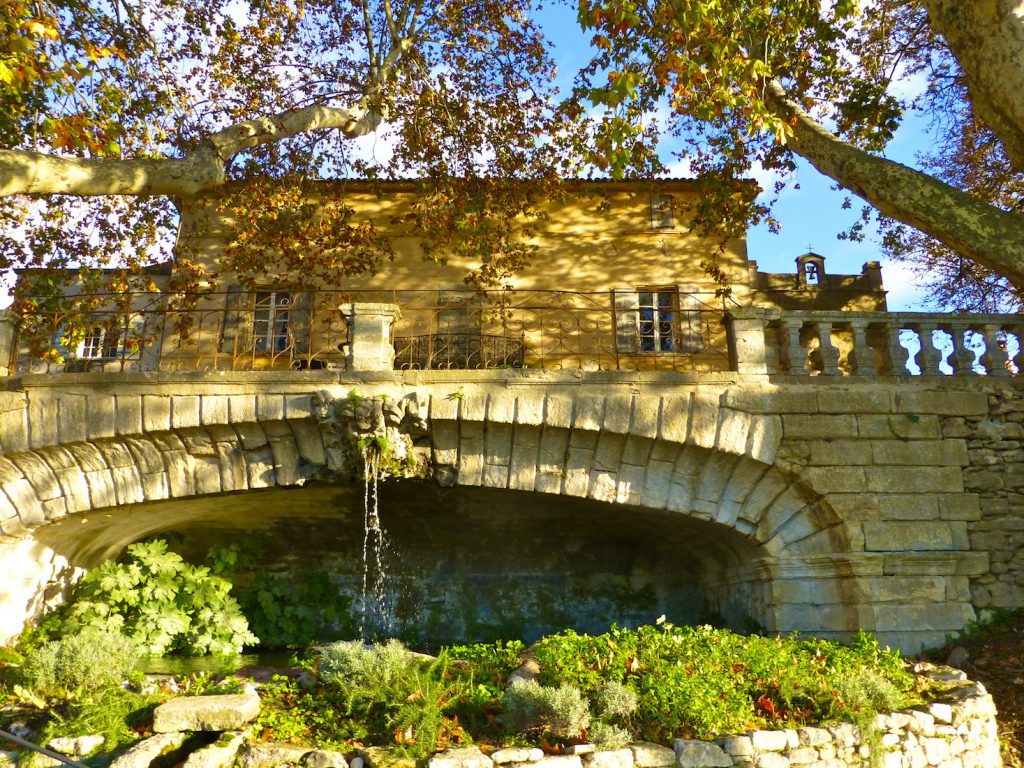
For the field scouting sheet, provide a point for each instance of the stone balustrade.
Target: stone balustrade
(871, 344)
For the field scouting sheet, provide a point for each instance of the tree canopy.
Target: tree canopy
(114, 112)
(757, 81)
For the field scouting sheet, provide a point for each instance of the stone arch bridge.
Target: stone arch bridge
(815, 504)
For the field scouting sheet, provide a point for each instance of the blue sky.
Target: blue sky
(811, 215)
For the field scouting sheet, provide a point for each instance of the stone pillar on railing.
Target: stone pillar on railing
(997, 357)
(794, 354)
(369, 327)
(863, 362)
(961, 359)
(929, 358)
(748, 325)
(7, 333)
(827, 353)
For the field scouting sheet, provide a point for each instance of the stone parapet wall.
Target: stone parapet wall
(995, 447)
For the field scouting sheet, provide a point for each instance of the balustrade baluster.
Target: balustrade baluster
(794, 354)
(996, 358)
(961, 359)
(863, 354)
(828, 353)
(894, 354)
(929, 358)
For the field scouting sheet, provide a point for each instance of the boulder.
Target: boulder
(267, 754)
(691, 753)
(75, 746)
(220, 754)
(148, 750)
(461, 757)
(609, 758)
(207, 713)
(325, 758)
(517, 755)
(649, 755)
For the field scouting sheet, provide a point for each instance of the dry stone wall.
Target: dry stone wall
(995, 446)
(958, 730)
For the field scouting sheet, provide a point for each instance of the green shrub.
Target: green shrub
(91, 659)
(699, 682)
(617, 701)
(561, 711)
(608, 736)
(370, 670)
(400, 697)
(160, 601)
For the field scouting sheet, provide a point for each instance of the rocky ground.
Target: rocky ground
(994, 656)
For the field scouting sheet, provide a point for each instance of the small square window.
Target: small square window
(662, 212)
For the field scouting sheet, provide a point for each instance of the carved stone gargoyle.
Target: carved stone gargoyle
(391, 431)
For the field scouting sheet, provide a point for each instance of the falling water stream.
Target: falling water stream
(375, 613)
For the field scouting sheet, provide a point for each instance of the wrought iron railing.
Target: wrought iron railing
(436, 329)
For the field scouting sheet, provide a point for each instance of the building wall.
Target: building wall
(599, 237)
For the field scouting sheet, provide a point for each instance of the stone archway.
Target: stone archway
(682, 455)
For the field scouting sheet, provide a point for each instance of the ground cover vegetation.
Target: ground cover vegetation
(116, 117)
(653, 683)
(68, 676)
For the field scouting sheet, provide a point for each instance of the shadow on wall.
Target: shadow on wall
(459, 564)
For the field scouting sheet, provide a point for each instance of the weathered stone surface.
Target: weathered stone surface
(266, 754)
(700, 754)
(648, 755)
(460, 757)
(559, 761)
(609, 758)
(75, 746)
(145, 752)
(518, 755)
(220, 754)
(769, 741)
(325, 758)
(206, 713)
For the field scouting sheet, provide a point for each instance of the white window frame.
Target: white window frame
(271, 323)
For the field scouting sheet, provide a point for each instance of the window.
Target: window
(92, 344)
(658, 315)
(662, 212)
(270, 321)
(657, 320)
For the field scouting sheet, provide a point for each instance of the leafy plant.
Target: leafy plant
(561, 711)
(113, 712)
(698, 682)
(158, 600)
(397, 694)
(92, 659)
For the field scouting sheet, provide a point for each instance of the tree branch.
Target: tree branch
(987, 39)
(26, 172)
(33, 173)
(981, 232)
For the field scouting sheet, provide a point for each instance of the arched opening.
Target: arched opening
(461, 563)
